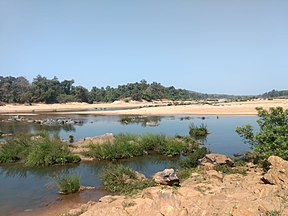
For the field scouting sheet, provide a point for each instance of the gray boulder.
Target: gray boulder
(166, 177)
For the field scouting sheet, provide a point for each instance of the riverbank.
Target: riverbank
(206, 192)
(146, 108)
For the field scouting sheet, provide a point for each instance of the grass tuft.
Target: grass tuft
(198, 132)
(68, 183)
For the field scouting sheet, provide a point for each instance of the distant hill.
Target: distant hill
(275, 94)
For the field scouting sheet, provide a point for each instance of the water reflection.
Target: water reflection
(29, 188)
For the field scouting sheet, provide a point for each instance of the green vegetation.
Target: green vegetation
(68, 183)
(128, 145)
(42, 89)
(275, 94)
(36, 150)
(121, 179)
(198, 132)
(225, 169)
(273, 213)
(271, 139)
(128, 204)
(192, 159)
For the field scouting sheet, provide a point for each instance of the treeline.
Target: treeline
(42, 89)
(275, 94)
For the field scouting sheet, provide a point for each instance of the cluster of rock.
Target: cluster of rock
(48, 121)
(207, 193)
(60, 121)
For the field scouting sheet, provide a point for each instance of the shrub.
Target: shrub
(121, 179)
(198, 132)
(68, 183)
(271, 139)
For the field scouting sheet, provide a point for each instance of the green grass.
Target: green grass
(123, 180)
(36, 150)
(128, 145)
(198, 132)
(68, 183)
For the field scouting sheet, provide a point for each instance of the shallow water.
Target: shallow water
(30, 188)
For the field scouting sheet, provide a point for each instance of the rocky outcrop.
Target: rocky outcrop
(211, 160)
(200, 195)
(166, 177)
(278, 172)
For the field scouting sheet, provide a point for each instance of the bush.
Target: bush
(68, 183)
(271, 139)
(37, 150)
(198, 132)
(121, 179)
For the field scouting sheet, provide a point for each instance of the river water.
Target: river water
(24, 189)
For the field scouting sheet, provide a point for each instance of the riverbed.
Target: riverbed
(28, 189)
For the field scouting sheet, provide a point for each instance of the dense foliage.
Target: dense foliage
(42, 89)
(271, 139)
(36, 150)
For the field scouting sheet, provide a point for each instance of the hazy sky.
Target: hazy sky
(211, 46)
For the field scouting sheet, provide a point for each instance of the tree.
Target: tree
(45, 90)
(272, 137)
(80, 93)
(13, 89)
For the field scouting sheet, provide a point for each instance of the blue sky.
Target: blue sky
(211, 46)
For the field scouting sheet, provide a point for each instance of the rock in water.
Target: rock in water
(166, 177)
(278, 172)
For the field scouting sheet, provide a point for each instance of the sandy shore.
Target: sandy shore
(145, 108)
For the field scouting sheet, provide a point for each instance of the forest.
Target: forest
(44, 90)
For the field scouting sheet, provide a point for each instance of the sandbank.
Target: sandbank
(145, 108)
